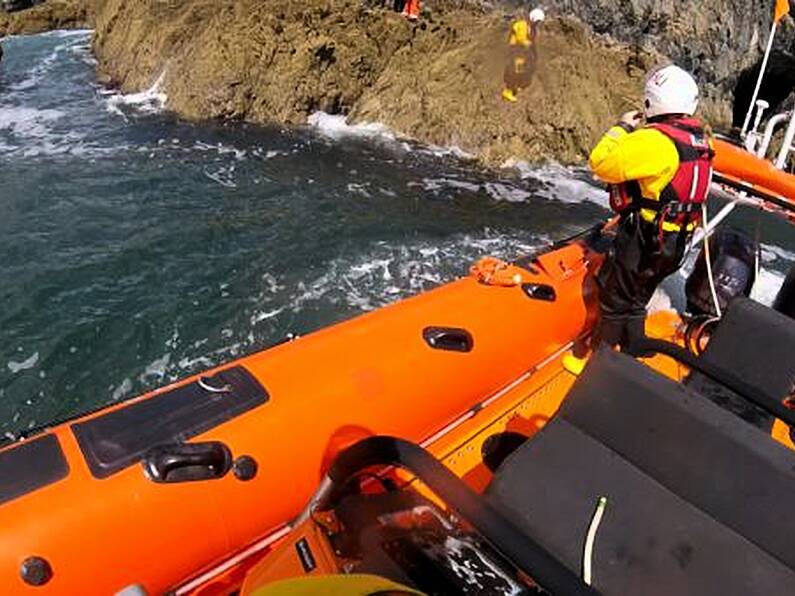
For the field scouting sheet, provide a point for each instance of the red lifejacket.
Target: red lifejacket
(681, 200)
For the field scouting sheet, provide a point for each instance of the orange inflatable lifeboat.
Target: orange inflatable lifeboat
(753, 173)
(152, 492)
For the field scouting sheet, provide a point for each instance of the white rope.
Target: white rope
(587, 555)
(708, 259)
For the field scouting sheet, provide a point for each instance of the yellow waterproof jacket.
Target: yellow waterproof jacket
(521, 33)
(646, 155)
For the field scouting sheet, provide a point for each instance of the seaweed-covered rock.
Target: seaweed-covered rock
(438, 80)
(54, 14)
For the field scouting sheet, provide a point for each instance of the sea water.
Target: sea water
(136, 248)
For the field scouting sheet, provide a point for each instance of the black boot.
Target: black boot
(609, 330)
(634, 336)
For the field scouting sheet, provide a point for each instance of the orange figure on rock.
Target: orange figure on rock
(411, 9)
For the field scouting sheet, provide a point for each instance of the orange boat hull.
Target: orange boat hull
(374, 374)
(740, 165)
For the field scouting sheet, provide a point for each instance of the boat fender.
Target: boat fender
(732, 255)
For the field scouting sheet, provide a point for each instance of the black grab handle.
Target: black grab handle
(187, 462)
(529, 556)
(450, 339)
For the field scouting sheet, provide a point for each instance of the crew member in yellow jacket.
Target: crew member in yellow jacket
(522, 54)
(659, 176)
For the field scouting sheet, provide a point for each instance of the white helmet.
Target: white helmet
(537, 15)
(670, 90)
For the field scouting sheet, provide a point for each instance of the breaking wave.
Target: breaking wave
(337, 127)
(150, 101)
(194, 243)
(382, 275)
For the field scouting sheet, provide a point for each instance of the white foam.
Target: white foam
(337, 127)
(767, 286)
(500, 191)
(28, 123)
(219, 148)
(437, 184)
(124, 389)
(473, 569)
(150, 101)
(58, 33)
(28, 83)
(222, 176)
(359, 189)
(389, 272)
(75, 43)
(64, 33)
(451, 151)
(772, 253)
(560, 183)
(556, 183)
(26, 364)
(264, 316)
(272, 282)
(156, 369)
(202, 363)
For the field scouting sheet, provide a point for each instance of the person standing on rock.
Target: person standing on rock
(522, 54)
(411, 9)
(659, 176)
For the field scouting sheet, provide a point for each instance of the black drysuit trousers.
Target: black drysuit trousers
(635, 265)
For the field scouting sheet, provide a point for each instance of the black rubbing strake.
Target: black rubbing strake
(30, 465)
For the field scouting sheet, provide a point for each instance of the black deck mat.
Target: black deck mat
(698, 495)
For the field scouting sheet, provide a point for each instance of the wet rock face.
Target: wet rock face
(720, 41)
(438, 80)
(54, 14)
(776, 89)
(716, 40)
(251, 59)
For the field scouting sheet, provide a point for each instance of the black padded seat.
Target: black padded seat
(698, 500)
(757, 344)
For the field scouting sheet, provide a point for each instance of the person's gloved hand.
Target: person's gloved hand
(630, 120)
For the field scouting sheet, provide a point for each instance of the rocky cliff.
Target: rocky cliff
(54, 14)
(438, 81)
(720, 41)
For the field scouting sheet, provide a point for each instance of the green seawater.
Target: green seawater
(136, 249)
